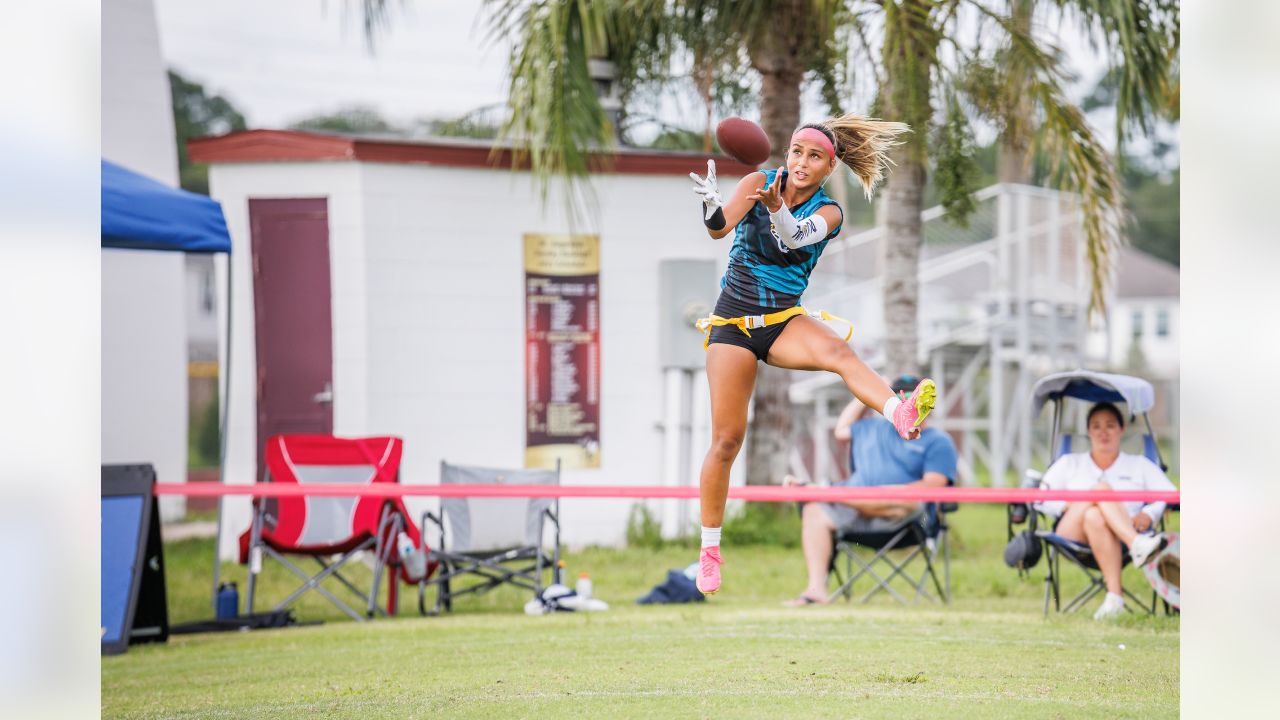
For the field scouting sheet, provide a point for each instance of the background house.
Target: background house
(1142, 329)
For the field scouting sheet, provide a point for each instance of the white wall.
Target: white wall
(428, 307)
(446, 314)
(144, 355)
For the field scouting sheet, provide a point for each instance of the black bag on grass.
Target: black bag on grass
(1024, 550)
(678, 588)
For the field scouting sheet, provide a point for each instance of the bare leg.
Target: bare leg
(1071, 526)
(1117, 518)
(807, 344)
(816, 539)
(1105, 546)
(731, 372)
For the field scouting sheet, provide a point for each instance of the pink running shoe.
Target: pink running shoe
(912, 411)
(709, 562)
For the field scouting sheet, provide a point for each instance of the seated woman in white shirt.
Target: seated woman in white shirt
(1103, 526)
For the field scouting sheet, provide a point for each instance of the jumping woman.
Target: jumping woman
(781, 220)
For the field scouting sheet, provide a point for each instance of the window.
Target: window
(1162, 323)
(207, 299)
(1137, 322)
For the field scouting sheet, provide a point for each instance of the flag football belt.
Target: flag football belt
(747, 323)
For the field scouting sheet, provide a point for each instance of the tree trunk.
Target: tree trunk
(1013, 163)
(1013, 160)
(900, 256)
(778, 60)
(905, 96)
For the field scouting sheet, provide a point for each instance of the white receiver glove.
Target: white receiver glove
(706, 189)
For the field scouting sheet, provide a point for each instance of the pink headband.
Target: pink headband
(817, 136)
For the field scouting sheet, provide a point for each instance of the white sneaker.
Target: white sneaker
(1112, 606)
(1145, 547)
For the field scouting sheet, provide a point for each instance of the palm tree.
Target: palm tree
(1015, 80)
(1009, 76)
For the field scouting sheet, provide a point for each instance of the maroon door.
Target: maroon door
(293, 319)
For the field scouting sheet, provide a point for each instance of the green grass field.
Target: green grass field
(989, 654)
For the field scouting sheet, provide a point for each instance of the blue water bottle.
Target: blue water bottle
(228, 605)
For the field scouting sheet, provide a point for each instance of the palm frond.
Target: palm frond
(860, 29)
(1078, 160)
(956, 170)
(375, 18)
(556, 121)
(911, 39)
(1142, 39)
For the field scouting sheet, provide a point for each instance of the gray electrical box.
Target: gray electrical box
(687, 291)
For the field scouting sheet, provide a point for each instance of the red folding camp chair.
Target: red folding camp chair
(325, 527)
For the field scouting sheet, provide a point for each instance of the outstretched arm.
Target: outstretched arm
(851, 413)
(796, 233)
(719, 216)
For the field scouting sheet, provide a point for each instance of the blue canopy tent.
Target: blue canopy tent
(143, 214)
(139, 213)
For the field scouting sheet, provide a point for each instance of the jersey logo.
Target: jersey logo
(777, 239)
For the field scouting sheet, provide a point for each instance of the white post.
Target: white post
(995, 389)
(821, 431)
(1082, 294)
(1022, 443)
(700, 441)
(1055, 247)
(970, 437)
(672, 435)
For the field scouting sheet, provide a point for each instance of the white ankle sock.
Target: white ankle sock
(710, 537)
(1118, 598)
(890, 405)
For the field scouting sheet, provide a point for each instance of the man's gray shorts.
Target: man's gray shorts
(848, 519)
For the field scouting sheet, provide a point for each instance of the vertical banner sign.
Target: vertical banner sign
(562, 351)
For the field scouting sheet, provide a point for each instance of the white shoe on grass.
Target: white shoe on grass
(1111, 606)
(1145, 547)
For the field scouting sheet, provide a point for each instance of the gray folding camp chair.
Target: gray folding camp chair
(490, 542)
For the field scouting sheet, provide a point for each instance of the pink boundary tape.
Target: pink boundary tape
(761, 493)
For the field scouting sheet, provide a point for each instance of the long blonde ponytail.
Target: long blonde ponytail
(863, 144)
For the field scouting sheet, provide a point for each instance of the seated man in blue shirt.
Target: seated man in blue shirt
(879, 457)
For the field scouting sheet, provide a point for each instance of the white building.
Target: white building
(1142, 329)
(144, 353)
(417, 250)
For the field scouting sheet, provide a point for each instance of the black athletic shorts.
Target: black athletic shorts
(761, 339)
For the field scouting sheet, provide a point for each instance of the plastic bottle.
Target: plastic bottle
(584, 587)
(415, 561)
(228, 605)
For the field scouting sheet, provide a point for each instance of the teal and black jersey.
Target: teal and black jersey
(761, 269)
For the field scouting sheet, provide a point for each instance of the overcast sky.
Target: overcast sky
(285, 59)
(282, 60)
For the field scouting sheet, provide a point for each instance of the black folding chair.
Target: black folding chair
(490, 542)
(922, 536)
(1081, 556)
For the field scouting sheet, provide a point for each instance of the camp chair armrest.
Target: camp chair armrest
(550, 514)
(436, 520)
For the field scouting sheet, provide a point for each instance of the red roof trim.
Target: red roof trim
(252, 146)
